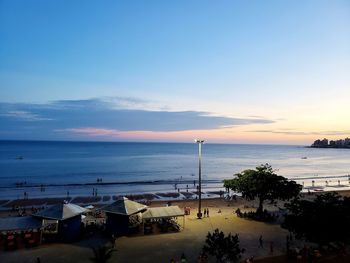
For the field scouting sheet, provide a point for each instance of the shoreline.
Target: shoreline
(27, 190)
(157, 182)
(149, 198)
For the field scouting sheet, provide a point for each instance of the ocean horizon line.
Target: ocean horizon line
(151, 142)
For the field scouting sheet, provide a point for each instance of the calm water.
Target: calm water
(62, 163)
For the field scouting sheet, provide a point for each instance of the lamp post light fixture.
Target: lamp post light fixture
(199, 142)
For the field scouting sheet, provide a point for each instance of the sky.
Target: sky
(269, 72)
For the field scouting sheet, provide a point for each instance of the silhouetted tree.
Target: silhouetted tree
(264, 184)
(324, 220)
(224, 248)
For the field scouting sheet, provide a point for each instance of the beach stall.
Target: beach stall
(123, 216)
(62, 221)
(162, 219)
(19, 232)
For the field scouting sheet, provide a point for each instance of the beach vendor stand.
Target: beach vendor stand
(62, 221)
(123, 216)
(19, 232)
(164, 218)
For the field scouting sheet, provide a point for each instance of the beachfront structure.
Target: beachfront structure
(19, 232)
(123, 216)
(165, 217)
(63, 221)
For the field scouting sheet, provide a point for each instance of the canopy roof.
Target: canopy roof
(61, 211)
(124, 206)
(19, 223)
(163, 212)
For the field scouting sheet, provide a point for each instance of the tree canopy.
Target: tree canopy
(224, 248)
(324, 220)
(264, 184)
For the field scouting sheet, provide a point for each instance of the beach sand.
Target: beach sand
(190, 240)
(163, 247)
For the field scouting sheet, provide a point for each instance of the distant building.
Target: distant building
(342, 143)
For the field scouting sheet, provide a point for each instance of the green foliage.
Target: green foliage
(102, 254)
(264, 184)
(324, 220)
(224, 248)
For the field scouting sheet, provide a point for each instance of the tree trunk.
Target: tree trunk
(260, 208)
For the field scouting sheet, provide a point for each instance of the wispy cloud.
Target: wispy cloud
(89, 131)
(293, 132)
(108, 117)
(24, 115)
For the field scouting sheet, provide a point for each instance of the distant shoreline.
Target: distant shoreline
(328, 147)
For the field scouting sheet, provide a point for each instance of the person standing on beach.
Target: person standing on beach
(261, 242)
(207, 212)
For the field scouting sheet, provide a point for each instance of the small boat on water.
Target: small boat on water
(304, 157)
(19, 158)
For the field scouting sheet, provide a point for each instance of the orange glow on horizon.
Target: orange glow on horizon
(224, 135)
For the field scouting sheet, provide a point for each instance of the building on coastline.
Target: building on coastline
(62, 221)
(342, 143)
(123, 216)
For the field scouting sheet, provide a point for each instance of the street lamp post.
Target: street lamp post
(199, 142)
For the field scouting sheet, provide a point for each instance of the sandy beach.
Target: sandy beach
(164, 247)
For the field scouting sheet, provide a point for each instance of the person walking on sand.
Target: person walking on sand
(271, 247)
(261, 243)
(207, 212)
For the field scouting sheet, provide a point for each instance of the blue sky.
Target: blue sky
(286, 62)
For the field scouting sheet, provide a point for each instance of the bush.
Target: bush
(224, 248)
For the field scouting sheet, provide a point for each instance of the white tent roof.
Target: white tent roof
(124, 206)
(163, 212)
(61, 211)
(19, 223)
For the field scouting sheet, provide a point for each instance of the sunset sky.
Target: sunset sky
(226, 71)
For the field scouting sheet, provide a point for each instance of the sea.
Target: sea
(48, 168)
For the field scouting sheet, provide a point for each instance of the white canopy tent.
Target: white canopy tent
(165, 212)
(162, 212)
